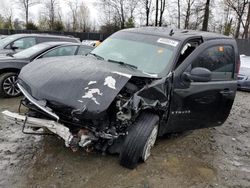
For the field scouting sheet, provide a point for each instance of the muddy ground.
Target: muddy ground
(215, 157)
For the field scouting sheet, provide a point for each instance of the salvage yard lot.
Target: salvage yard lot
(215, 157)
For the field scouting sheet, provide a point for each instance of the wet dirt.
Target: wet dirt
(214, 157)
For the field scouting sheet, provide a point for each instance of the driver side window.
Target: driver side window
(219, 60)
(24, 43)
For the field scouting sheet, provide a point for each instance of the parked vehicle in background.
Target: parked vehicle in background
(18, 42)
(244, 73)
(10, 65)
(93, 43)
(3, 36)
(138, 84)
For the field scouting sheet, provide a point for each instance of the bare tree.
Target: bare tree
(26, 4)
(121, 10)
(228, 27)
(179, 14)
(42, 22)
(197, 17)
(8, 24)
(118, 6)
(83, 18)
(147, 4)
(188, 13)
(162, 9)
(132, 5)
(239, 7)
(247, 23)
(74, 6)
(50, 6)
(156, 12)
(206, 16)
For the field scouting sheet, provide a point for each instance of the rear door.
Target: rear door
(204, 104)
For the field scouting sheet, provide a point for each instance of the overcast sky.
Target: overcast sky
(35, 10)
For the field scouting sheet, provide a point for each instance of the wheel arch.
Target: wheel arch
(6, 70)
(162, 115)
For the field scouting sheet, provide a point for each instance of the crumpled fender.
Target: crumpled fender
(154, 96)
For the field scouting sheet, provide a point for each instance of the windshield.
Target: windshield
(150, 54)
(7, 40)
(31, 51)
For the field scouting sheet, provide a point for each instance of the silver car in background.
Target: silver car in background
(244, 73)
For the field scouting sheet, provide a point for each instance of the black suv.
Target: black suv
(137, 85)
(18, 42)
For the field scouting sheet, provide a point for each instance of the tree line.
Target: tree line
(228, 17)
(50, 16)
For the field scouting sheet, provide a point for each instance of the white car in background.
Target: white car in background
(3, 36)
(244, 73)
(93, 43)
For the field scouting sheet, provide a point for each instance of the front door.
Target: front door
(197, 104)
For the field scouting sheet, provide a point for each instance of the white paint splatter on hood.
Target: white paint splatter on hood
(110, 82)
(90, 94)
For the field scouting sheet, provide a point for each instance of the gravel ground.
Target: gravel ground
(214, 157)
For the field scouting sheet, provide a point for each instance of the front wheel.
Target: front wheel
(8, 85)
(140, 140)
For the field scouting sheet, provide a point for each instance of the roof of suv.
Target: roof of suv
(177, 34)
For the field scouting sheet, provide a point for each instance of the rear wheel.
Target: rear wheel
(8, 85)
(140, 140)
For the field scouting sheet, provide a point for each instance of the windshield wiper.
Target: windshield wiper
(122, 63)
(97, 56)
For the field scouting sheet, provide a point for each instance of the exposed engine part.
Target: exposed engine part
(83, 138)
(124, 116)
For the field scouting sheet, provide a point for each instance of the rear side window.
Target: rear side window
(62, 51)
(219, 60)
(84, 50)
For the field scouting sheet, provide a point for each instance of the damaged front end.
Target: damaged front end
(93, 107)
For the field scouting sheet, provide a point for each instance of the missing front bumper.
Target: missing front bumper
(54, 127)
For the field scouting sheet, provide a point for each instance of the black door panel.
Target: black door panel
(203, 104)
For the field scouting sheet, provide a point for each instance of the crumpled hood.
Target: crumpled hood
(84, 84)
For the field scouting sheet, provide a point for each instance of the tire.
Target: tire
(8, 87)
(137, 140)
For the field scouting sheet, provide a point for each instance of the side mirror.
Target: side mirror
(13, 47)
(198, 74)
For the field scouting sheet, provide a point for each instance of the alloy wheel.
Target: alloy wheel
(150, 143)
(10, 86)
